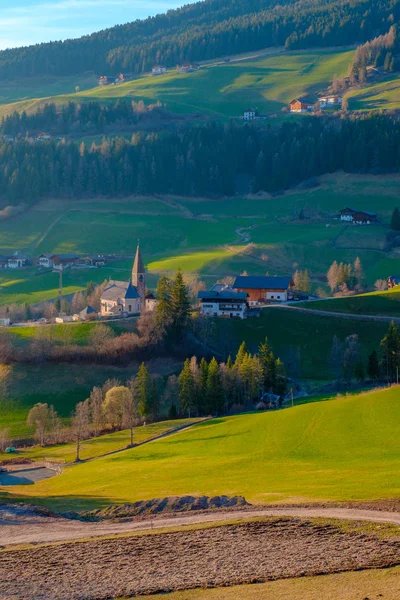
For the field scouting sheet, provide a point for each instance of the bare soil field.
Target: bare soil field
(218, 556)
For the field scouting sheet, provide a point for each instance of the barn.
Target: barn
(263, 290)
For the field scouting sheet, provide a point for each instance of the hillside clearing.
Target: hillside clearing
(268, 458)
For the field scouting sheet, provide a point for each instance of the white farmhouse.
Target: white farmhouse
(227, 304)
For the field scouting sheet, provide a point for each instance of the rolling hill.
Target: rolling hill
(268, 80)
(342, 449)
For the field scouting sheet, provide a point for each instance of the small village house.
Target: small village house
(358, 217)
(150, 302)
(19, 261)
(264, 289)
(126, 297)
(91, 261)
(63, 261)
(228, 304)
(106, 80)
(45, 261)
(249, 114)
(187, 68)
(330, 102)
(87, 314)
(3, 262)
(393, 281)
(158, 70)
(300, 105)
(123, 77)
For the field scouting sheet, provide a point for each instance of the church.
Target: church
(126, 297)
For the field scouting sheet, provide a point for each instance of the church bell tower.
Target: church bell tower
(138, 275)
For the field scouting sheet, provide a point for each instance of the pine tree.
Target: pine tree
(242, 353)
(164, 307)
(143, 392)
(180, 305)
(358, 272)
(390, 345)
(373, 369)
(215, 393)
(395, 220)
(203, 375)
(186, 389)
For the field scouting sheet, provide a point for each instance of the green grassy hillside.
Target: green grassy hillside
(383, 94)
(221, 89)
(375, 303)
(301, 340)
(342, 449)
(98, 446)
(201, 236)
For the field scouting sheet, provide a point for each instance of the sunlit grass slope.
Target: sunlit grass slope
(342, 449)
(385, 303)
(221, 90)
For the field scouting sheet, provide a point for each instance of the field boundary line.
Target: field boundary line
(327, 313)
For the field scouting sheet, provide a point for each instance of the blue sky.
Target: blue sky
(24, 22)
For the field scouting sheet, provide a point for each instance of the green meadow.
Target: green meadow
(384, 95)
(385, 303)
(98, 446)
(342, 449)
(202, 236)
(218, 90)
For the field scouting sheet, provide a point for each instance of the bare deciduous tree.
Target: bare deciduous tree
(38, 418)
(80, 425)
(4, 439)
(96, 410)
(380, 285)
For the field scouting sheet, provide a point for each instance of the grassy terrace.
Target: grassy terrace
(270, 457)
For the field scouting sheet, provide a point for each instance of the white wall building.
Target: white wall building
(227, 304)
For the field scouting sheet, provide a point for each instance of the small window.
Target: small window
(130, 308)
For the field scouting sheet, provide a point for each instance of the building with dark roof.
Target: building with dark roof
(126, 297)
(229, 304)
(358, 217)
(262, 290)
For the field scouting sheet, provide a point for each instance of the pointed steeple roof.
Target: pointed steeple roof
(138, 266)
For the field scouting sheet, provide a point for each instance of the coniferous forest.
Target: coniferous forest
(199, 160)
(206, 30)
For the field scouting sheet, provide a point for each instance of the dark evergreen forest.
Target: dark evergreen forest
(207, 30)
(203, 160)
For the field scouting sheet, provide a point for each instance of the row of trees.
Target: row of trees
(90, 117)
(348, 362)
(212, 388)
(203, 160)
(205, 30)
(344, 277)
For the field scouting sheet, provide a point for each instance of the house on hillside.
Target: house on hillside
(330, 102)
(228, 303)
(263, 290)
(87, 314)
(126, 297)
(300, 105)
(91, 261)
(358, 217)
(249, 114)
(150, 302)
(63, 261)
(106, 80)
(18, 261)
(123, 77)
(158, 70)
(3, 262)
(45, 261)
(393, 281)
(187, 67)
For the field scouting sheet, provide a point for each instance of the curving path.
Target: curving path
(19, 525)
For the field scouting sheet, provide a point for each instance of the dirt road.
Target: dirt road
(20, 525)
